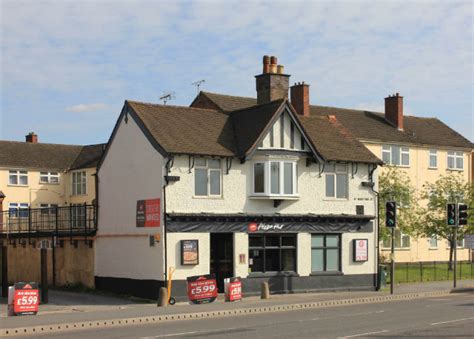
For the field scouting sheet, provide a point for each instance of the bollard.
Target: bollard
(265, 294)
(162, 297)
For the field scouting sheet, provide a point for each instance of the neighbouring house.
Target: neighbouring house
(49, 192)
(424, 148)
(261, 190)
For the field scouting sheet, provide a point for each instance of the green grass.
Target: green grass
(414, 272)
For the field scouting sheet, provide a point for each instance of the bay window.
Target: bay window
(275, 178)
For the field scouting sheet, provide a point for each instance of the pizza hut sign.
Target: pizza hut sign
(264, 227)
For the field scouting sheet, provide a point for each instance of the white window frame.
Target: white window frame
(18, 173)
(432, 239)
(208, 176)
(50, 208)
(455, 155)
(49, 177)
(404, 150)
(83, 182)
(334, 174)
(18, 206)
(267, 178)
(401, 247)
(433, 153)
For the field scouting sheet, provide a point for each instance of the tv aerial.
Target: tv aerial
(198, 84)
(167, 96)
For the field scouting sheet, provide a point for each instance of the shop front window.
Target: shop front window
(325, 253)
(272, 253)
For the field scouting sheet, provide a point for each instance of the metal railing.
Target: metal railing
(408, 272)
(73, 219)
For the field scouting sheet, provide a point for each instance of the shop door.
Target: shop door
(222, 264)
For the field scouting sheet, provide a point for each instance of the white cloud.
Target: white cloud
(86, 107)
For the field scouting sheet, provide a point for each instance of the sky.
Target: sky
(68, 66)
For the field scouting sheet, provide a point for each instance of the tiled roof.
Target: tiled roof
(186, 130)
(366, 125)
(47, 156)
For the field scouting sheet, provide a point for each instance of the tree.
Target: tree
(447, 189)
(395, 185)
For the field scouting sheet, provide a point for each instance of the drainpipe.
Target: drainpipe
(165, 246)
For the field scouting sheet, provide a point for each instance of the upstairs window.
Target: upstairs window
(455, 160)
(433, 158)
(79, 183)
(275, 178)
(396, 155)
(207, 177)
(401, 240)
(336, 181)
(49, 177)
(17, 177)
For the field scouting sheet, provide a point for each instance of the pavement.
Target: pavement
(101, 310)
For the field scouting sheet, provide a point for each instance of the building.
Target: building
(49, 192)
(265, 192)
(424, 148)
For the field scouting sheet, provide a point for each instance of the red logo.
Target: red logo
(253, 226)
(27, 286)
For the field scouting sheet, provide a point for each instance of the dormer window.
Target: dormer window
(275, 178)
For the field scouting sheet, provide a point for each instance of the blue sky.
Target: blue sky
(68, 66)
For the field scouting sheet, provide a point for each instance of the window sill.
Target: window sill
(49, 183)
(272, 274)
(433, 249)
(326, 273)
(274, 197)
(455, 169)
(217, 197)
(336, 199)
(433, 168)
(79, 195)
(13, 185)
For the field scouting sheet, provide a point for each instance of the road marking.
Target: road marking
(451, 321)
(362, 334)
(193, 332)
(170, 335)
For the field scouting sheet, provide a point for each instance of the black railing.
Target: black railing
(66, 220)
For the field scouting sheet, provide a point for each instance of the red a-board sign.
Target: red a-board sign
(233, 289)
(26, 299)
(202, 288)
(148, 213)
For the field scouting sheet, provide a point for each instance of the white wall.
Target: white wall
(131, 171)
(241, 246)
(236, 189)
(174, 254)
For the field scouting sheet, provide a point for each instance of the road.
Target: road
(451, 316)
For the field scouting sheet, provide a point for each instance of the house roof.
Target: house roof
(366, 125)
(188, 130)
(48, 156)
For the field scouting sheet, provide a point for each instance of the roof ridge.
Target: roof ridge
(228, 95)
(258, 105)
(41, 143)
(174, 106)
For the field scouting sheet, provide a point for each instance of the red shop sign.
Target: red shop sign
(202, 288)
(148, 213)
(26, 299)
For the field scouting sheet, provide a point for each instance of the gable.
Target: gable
(284, 134)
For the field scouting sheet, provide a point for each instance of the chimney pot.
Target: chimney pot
(394, 110)
(266, 59)
(280, 69)
(273, 60)
(31, 138)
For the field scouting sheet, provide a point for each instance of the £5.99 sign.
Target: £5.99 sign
(26, 299)
(202, 288)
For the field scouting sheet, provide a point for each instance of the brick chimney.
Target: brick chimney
(394, 110)
(31, 138)
(272, 84)
(299, 94)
